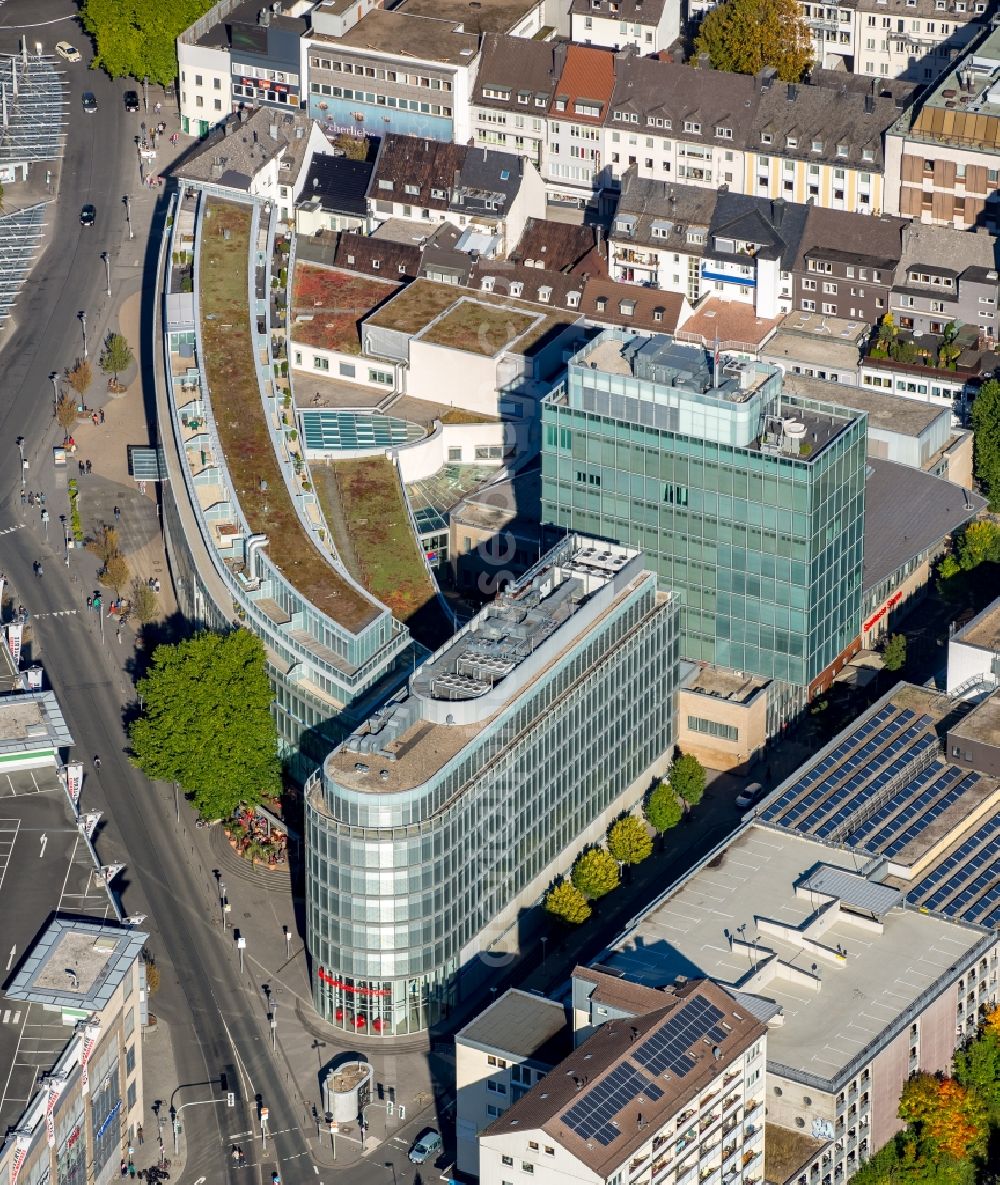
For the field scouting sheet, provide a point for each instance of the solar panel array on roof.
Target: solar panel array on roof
(966, 884)
(774, 812)
(667, 1049)
(593, 1117)
(913, 809)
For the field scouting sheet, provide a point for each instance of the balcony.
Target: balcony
(710, 1176)
(707, 1098)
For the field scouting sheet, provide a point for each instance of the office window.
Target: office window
(320, 363)
(712, 728)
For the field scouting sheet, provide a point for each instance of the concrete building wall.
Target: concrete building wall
(890, 1070)
(833, 186)
(721, 751)
(444, 375)
(453, 444)
(205, 97)
(968, 663)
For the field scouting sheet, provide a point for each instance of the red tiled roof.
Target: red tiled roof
(727, 321)
(589, 73)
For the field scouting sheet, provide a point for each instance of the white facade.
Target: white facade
(917, 48)
(206, 86)
(719, 1134)
(607, 31)
(666, 156)
(974, 655)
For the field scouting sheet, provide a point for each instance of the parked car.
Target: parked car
(89, 100)
(88, 214)
(750, 795)
(67, 52)
(131, 100)
(426, 1146)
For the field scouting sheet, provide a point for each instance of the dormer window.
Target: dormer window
(817, 145)
(724, 133)
(658, 313)
(412, 190)
(383, 184)
(544, 294)
(516, 288)
(842, 150)
(376, 264)
(560, 104)
(487, 283)
(626, 308)
(601, 303)
(691, 126)
(867, 154)
(766, 138)
(791, 141)
(439, 194)
(573, 300)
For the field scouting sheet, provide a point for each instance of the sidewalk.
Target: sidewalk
(159, 1077)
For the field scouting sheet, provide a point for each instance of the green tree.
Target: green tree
(138, 38)
(629, 841)
(663, 808)
(986, 440)
(977, 1067)
(206, 721)
(978, 544)
(116, 573)
(744, 36)
(116, 355)
(80, 376)
(595, 873)
(143, 603)
(565, 901)
(687, 778)
(66, 413)
(894, 652)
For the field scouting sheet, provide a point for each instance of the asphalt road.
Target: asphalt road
(217, 1027)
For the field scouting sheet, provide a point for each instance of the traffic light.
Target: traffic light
(231, 1099)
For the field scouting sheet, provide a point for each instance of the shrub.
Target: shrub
(596, 873)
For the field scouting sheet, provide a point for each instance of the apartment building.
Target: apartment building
(946, 278)
(499, 1056)
(573, 156)
(941, 155)
(488, 194)
(673, 1090)
(240, 54)
(513, 90)
(678, 123)
(915, 40)
(393, 72)
(846, 265)
(819, 144)
(648, 25)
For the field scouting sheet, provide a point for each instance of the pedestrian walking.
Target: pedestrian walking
(138, 1132)
(118, 514)
(119, 636)
(93, 418)
(131, 1170)
(88, 467)
(90, 602)
(124, 1168)
(101, 414)
(83, 468)
(24, 497)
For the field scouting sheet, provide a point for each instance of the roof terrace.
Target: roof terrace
(239, 419)
(964, 107)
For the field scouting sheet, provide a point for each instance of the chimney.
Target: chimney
(793, 92)
(869, 104)
(633, 1033)
(486, 152)
(272, 131)
(704, 62)
(777, 211)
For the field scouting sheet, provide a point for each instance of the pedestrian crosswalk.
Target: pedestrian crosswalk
(11, 530)
(55, 613)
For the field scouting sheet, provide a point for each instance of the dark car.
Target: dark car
(750, 795)
(131, 101)
(88, 214)
(89, 100)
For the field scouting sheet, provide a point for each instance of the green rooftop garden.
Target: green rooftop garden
(239, 419)
(363, 503)
(478, 328)
(335, 302)
(418, 303)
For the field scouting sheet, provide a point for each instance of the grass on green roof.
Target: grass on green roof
(239, 418)
(335, 302)
(478, 328)
(363, 503)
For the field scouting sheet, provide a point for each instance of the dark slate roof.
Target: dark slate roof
(861, 84)
(644, 202)
(559, 246)
(339, 182)
(908, 512)
(839, 234)
(831, 116)
(377, 257)
(775, 226)
(438, 175)
(640, 12)
(654, 89)
(524, 68)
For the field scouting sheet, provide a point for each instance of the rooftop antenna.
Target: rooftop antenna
(715, 367)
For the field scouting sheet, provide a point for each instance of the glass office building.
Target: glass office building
(747, 501)
(442, 820)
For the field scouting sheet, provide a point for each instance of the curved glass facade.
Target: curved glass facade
(408, 890)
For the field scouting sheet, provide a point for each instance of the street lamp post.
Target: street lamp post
(545, 943)
(54, 376)
(83, 321)
(128, 215)
(24, 463)
(107, 269)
